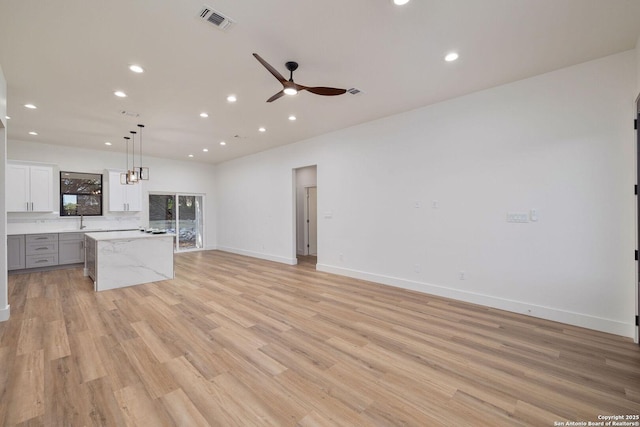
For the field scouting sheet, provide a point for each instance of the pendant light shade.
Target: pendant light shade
(143, 172)
(133, 172)
(125, 177)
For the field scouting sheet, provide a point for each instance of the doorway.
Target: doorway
(181, 214)
(306, 212)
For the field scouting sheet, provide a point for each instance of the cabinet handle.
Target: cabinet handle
(41, 238)
(42, 260)
(41, 249)
(27, 206)
(32, 206)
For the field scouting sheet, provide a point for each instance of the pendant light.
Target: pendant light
(133, 172)
(143, 172)
(124, 177)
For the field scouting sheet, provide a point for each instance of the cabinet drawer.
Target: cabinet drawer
(34, 261)
(39, 238)
(42, 248)
(70, 236)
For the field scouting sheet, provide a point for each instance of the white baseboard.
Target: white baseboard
(268, 257)
(549, 313)
(4, 313)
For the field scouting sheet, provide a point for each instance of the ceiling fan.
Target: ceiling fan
(289, 87)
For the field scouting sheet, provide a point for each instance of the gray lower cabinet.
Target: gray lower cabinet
(16, 252)
(70, 248)
(41, 250)
(44, 250)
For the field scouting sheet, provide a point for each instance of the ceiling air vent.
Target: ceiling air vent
(215, 18)
(129, 113)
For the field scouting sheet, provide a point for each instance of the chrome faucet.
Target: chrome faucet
(81, 222)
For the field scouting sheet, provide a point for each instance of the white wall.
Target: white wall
(559, 143)
(638, 65)
(165, 176)
(4, 300)
(305, 177)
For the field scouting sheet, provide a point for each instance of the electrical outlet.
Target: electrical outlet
(435, 204)
(462, 275)
(417, 204)
(416, 268)
(341, 257)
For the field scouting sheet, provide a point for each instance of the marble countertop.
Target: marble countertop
(73, 230)
(125, 235)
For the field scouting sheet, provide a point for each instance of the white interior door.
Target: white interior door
(312, 219)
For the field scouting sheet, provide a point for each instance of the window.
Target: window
(80, 194)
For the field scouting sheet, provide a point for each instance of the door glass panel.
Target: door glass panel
(162, 212)
(189, 222)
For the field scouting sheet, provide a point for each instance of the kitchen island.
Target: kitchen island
(127, 258)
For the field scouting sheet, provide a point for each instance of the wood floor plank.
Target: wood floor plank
(56, 341)
(157, 380)
(86, 356)
(138, 409)
(182, 410)
(27, 390)
(236, 341)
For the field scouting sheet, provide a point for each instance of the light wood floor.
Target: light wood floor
(234, 341)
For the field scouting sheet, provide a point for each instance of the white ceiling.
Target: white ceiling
(68, 57)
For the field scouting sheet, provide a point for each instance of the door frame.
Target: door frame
(307, 222)
(637, 272)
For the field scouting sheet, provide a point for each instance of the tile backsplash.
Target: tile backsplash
(47, 224)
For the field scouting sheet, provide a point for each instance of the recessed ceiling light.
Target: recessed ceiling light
(232, 98)
(223, 143)
(120, 94)
(205, 150)
(136, 68)
(400, 2)
(262, 129)
(292, 117)
(7, 117)
(107, 143)
(190, 155)
(33, 133)
(30, 106)
(451, 57)
(205, 115)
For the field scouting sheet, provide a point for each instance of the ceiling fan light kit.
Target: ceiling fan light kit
(289, 87)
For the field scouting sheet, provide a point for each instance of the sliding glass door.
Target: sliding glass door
(180, 214)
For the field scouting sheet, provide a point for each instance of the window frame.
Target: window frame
(61, 194)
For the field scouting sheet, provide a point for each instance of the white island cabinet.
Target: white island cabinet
(126, 258)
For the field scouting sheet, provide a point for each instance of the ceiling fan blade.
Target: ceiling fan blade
(326, 91)
(272, 70)
(276, 96)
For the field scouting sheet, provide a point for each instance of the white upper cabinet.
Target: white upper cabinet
(123, 198)
(29, 188)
